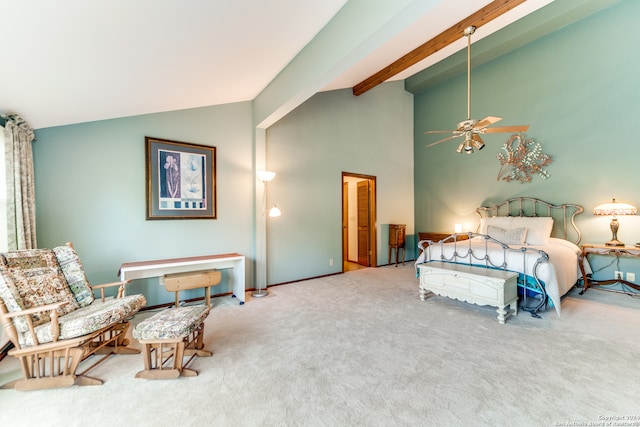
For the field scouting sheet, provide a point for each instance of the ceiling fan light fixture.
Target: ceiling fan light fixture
(468, 147)
(477, 142)
(460, 147)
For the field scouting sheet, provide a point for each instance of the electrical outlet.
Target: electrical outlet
(618, 275)
(631, 277)
(330, 261)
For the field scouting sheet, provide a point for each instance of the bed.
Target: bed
(534, 238)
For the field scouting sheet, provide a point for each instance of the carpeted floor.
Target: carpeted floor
(361, 349)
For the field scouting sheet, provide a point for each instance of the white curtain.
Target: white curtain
(18, 185)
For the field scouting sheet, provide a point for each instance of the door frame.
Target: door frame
(373, 228)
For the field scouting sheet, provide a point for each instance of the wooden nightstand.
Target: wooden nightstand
(397, 235)
(617, 251)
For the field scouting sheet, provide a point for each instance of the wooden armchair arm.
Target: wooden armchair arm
(48, 307)
(102, 287)
(6, 317)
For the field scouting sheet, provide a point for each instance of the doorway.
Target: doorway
(359, 248)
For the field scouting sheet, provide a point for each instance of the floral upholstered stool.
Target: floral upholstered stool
(172, 335)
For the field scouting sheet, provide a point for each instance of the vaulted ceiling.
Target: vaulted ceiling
(73, 61)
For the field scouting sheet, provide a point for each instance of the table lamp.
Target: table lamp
(615, 209)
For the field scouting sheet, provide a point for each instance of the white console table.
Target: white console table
(158, 268)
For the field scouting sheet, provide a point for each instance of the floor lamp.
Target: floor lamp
(265, 177)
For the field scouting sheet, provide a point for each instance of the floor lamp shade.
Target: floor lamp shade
(614, 209)
(274, 211)
(265, 176)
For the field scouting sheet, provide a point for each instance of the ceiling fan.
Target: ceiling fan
(472, 128)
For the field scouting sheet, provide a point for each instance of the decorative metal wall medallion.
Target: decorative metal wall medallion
(524, 158)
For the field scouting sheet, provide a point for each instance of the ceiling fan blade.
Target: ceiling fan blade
(443, 140)
(489, 120)
(506, 129)
(441, 131)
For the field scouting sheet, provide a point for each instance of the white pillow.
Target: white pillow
(496, 221)
(509, 236)
(538, 228)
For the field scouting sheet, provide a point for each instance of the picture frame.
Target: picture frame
(180, 180)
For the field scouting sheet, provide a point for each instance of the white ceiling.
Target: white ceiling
(73, 61)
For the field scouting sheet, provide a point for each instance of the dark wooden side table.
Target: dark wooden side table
(618, 251)
(397, 237)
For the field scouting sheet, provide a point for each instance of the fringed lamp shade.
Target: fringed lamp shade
(615, 209)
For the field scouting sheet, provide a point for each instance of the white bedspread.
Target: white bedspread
(559, 275)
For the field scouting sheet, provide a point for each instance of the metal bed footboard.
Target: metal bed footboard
(465, 253)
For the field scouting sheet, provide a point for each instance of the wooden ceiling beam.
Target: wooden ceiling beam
(448, 36)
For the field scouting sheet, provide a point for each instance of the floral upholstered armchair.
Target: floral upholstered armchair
(50, 314)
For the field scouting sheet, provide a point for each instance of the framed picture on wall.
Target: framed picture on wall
(181, 180)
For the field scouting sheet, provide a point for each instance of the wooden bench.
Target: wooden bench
(473, 284)
(171, 335)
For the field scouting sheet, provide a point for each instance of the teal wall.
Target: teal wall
(331, 133)
(578, 89)
(90, 190)
(90, 184)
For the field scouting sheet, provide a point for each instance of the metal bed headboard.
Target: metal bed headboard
(563, 215)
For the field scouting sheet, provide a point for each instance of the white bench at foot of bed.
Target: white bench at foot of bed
(473, 284)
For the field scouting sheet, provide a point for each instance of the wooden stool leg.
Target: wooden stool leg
(186, 372)
(199, 344)
(158, 350)
(153, 366)
(147, 356)
(178, 355)
(194, 348)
